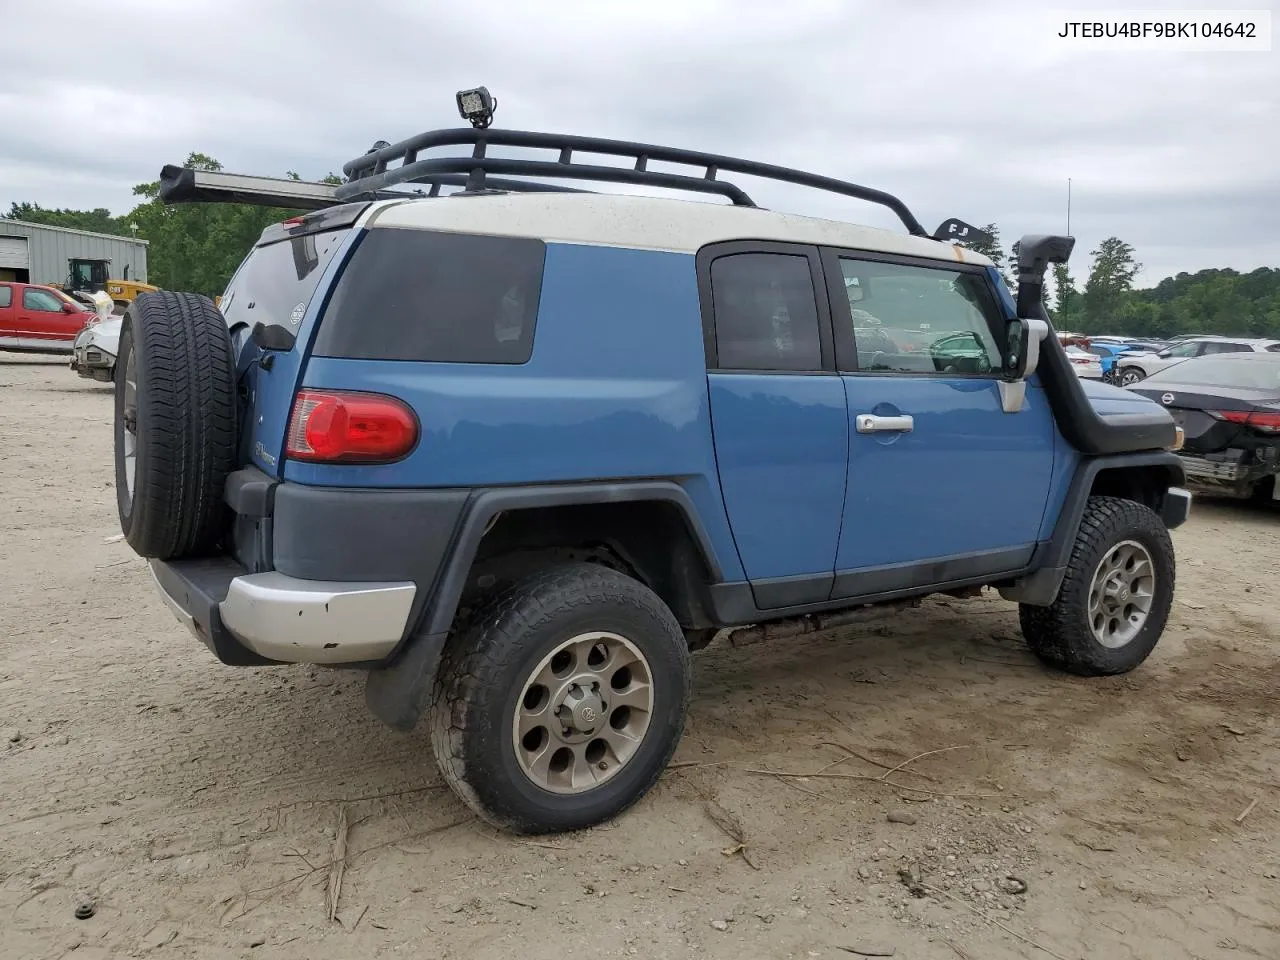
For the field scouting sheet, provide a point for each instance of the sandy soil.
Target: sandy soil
(195, 805)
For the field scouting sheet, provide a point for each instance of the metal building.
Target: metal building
(36, 253)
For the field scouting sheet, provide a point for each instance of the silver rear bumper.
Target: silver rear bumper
(288, 620)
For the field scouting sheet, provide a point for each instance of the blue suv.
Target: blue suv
(517, 449)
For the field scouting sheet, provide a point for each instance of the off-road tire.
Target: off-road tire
(483, 670)
(1060, 634)
(185, 425)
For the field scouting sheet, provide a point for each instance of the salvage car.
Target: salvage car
(93, 354)
(515, 452)
(1138, 366)
(39, 319)
(1229, 409)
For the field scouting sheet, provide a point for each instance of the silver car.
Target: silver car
(1139, 366)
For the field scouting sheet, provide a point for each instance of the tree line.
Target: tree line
(198, 246)
(193, 246)
(1215, 300)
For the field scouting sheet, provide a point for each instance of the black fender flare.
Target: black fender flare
(399, 691)
(1050, 560)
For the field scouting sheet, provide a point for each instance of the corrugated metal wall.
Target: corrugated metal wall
(51, 247)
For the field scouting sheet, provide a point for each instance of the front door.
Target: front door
(778, 415)
(43, 316)
(943, 485)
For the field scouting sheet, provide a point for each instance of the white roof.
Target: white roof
(649, 223)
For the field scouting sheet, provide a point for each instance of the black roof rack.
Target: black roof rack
(371, 174)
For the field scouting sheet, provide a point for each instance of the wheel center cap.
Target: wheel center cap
(584, 708)
(1124, 593)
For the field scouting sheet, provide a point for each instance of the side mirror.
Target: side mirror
(68, 308)
(1022, 348)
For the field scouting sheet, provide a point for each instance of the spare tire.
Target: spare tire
(175, 425)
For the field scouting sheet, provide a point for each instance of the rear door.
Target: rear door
(943, 485)
(778, 414)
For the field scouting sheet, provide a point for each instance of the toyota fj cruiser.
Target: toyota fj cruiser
(517, 449)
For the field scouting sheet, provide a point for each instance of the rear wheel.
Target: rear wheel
(1131, 375)
(175, 425)
(1115, 598)
(561, 705)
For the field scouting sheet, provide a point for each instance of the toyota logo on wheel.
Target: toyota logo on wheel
(1167, 399)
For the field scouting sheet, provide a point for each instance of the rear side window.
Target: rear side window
(6, 296)
(274, 284)
(441, 297)
(1214, 346)
(766, 312)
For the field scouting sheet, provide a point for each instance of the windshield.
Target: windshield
(1255, 373)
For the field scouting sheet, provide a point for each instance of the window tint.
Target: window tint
(766, 312)
(41, 300)
(274, 284)
(6, 296)
(1274, 348)
(909, 319)
(1216, 347)
(448, 297)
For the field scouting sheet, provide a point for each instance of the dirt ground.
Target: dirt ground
(196, 805)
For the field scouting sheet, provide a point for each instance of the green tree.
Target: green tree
(1066, 300)
(99, 220)
(990, 247)
(1110, 279)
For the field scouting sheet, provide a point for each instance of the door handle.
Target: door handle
(870, 423)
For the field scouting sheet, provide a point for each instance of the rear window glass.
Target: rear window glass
(274, 284)
(430, 296)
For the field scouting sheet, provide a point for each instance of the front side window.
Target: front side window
(910, 319)
(41, 300)
(6, 296)
(766, 312)
(1186, 349)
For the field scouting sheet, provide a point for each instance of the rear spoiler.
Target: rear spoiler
(184, 185)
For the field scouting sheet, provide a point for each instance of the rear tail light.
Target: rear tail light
(338, 427)
(1265, 422)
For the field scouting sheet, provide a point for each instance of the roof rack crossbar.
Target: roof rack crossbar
(373, 170)
(433, 169)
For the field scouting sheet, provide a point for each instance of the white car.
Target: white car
(1138, 366)
(1084, 363)
(93, 354)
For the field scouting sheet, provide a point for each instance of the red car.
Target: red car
(37, 319)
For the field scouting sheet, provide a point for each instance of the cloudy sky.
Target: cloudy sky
(972, 110)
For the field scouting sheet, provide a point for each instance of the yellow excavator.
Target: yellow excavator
(88, 276)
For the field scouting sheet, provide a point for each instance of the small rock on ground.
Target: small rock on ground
(720, 925)
(902, 816)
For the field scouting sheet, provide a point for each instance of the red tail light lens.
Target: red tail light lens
(337, 427)
(1266, 422)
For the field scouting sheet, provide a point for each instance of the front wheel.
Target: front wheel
(1131, 375)
(1115, 597)
(561, 705)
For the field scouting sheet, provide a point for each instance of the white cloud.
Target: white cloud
(975, 111)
